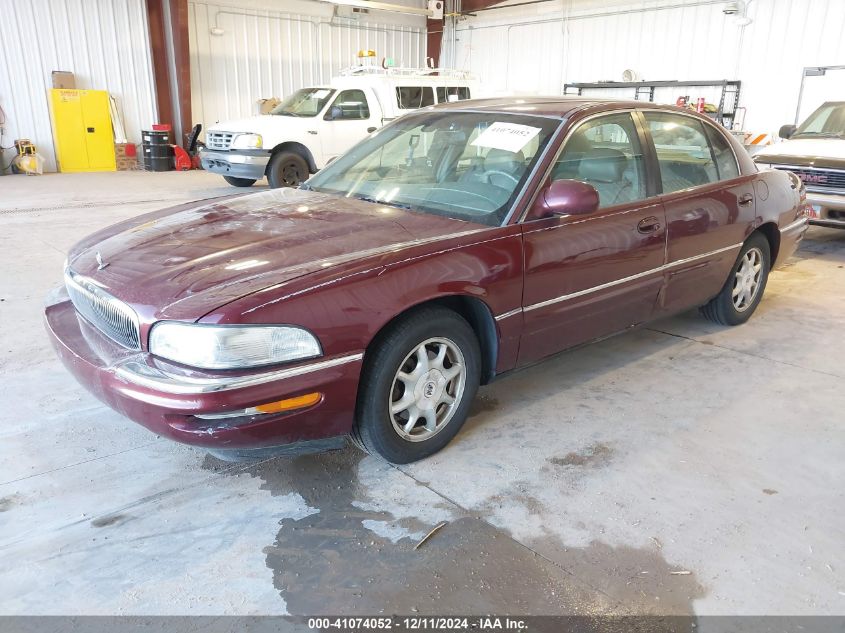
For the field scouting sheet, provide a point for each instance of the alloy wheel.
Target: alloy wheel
(427, 389)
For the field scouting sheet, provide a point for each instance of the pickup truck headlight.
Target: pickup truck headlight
(247, 141)
(231, 346)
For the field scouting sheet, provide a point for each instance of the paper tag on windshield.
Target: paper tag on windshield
(511, 137)
(320, 94)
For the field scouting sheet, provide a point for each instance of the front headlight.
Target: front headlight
(231, 346)
(247, 141)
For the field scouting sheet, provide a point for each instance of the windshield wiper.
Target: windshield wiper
(820, 134)
(398, 205)
(287, 113)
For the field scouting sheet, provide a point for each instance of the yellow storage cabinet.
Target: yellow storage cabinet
(82, 130)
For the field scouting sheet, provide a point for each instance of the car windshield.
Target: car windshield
(304, 102)
(463, 165)
(826, 122)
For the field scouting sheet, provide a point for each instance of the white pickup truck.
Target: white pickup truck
(317, 124)
(815, 152)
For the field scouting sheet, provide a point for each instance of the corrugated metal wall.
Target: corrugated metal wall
(105, 43)
(538, 48)
(270, 49)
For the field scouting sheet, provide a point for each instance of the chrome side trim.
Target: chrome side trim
(797, 223)
(506, 315)
(148, 377)
(616, 282)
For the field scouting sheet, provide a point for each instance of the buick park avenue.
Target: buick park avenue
(453, 245)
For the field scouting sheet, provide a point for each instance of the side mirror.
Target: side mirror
(566, 197)
(334, 112)
(786, 131)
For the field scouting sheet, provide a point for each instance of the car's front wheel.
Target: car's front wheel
(744, 288)
(417, 386)
(239, 182)
(287, 169)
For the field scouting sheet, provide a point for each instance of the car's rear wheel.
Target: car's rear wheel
(417, 386)
(287, 169)
(743, 290)
(239, 182)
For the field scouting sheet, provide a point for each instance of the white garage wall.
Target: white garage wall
(270, 49)
(105, 43)
(538, 48)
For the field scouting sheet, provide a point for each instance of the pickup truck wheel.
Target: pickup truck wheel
(239, 182)
(287, 169)
(744, 288)
(417, 386)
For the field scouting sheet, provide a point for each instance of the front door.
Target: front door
(349, 119)
(591, 276)
(709, 207)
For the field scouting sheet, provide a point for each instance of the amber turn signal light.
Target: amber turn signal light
(290, 403)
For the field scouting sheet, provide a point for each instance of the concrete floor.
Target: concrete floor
(578, 486)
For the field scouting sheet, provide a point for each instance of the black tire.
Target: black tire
(239, 182)
(373, 429)
(287, 169)
(722, 309)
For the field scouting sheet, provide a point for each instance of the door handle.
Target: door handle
(648, 225)
(746, 199)
(370, 130)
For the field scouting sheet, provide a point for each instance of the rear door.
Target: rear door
(591, 276)
(709, 206)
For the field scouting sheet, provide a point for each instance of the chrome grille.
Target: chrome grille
(816, 179)
(110, 316)
(218, 140)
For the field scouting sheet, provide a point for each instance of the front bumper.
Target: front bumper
(830, 208)
(250, 164)
(166, 398)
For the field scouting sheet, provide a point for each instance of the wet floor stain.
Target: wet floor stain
(769, 491)
(483, 404)
(108, 520)
(6, 503)
(330, 562)
(596, 455)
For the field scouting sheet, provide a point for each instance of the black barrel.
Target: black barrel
(157, 155)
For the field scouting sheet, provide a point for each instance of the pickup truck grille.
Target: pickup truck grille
(816, 179)
(218, 140)
(111, 316)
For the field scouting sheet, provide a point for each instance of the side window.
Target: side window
(722, 152)
(682, 151)
(605, 153)
(452, 93)
(350, 104)
(413, 97)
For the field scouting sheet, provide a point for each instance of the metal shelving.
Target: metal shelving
(644, 90)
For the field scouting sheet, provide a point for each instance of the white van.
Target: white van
(315, 125)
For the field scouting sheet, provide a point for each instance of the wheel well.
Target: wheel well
(480, 319)
(772, 234)
(299, 148)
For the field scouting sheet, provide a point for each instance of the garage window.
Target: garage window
(452, 93)
(682, 151)
(350, 104)
(605, 153)
(413, 97)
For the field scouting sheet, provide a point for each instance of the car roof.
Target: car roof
(556, 106)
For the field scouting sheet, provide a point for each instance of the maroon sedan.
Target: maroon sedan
(448, 248)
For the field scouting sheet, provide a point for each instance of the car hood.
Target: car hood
(805, 152)
(184, 264)
(264, 124)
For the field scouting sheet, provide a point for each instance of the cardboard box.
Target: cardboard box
(64, 80)
(120, 150)
(265, 105)
(127, 164)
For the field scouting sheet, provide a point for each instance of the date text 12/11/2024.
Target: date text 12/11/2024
(421, 623)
